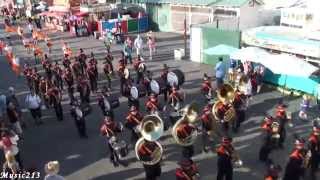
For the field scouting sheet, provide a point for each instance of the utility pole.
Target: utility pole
(185, 32)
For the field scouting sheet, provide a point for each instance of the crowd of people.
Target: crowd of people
(226, 103)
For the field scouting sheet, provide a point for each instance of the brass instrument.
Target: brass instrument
(156, 152)
(275, 130)
(151, 130)
(189, 118)
(226, 93)
(151, 127)
(223, 108)
(190, 138)
(225, 112)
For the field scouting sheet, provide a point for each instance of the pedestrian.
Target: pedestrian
(220, 72)
(260, 70)
(14, 118)
(33, 102)
(138, 44)
(11, 166)
(52, 169)
(127, 52)
(13, 98)
(304, 107)
(3, 107)
(152, 46)
(9, 143)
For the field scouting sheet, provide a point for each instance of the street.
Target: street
(84, 159)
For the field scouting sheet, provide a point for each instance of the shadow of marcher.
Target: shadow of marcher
(120, 175)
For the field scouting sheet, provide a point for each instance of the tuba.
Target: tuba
(184, 130)
(148, 149)
(223, 108)
(151, 127)
(153, 149)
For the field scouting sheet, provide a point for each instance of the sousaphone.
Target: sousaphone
(151, 127)
(148, 152)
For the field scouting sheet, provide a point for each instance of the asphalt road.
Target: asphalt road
(83, 159)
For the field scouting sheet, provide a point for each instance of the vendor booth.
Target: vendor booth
(55, 20)
(127, 24)
(283, 69)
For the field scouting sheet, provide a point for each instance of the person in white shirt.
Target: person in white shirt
(30, 27)
(138, 44)
(52, 169)
(33, 102)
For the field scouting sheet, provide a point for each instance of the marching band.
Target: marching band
(225, 109)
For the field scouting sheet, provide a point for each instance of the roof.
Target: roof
(232, 3)
(185, 2)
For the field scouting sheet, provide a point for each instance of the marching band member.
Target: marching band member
(164, 74)
(175, 97)
(183, 131)
(66, 62)
(304, 106)
(206, 87)
(121, 68)
(314, 147)
(240, 106)
(35, 80)
(295, 168)
(152, 104)
(65, 49)
(76, 68)
(188, 170)
(146, 81)
(55, 98)
(102, 98)
(271, 130)
(93, 62)
(133, 121)
(225, 152)
(273, 172)
(84, 90)
(68, 78)
(92, 76)
(79, 118)
(136, 64)
(47, 66)
(110, 129)
(27, 71)
(57, 74)
(283, 119)
(82, 58)
(44, 85)
(146, 153)
(207, 121)
(108, 68)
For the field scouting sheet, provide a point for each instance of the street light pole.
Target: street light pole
(185, 32)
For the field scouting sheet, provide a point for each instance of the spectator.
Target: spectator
(138, 44)
(152, 47)
(13, 98)
(3, 107)
(9, 143)
(33, 103)
(30, 27)
(11, 165)
(14, 118)
(220, 72)
(52, 170)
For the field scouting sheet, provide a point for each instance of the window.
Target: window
(225, 12)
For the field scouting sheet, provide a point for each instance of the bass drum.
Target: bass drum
(138, 91)
(175, 77)
(158, 86)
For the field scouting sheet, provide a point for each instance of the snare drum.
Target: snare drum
(113, 102)
(138, 91)
(121, 149)
(158, 86)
